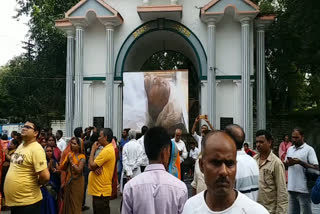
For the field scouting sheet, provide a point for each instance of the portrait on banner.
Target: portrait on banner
(157, 98)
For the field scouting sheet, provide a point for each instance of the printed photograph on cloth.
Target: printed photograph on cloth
(157, 98)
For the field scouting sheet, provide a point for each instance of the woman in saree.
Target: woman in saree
(174, 164)
(73, 189)
(50, 190)
(283, 148)
(64, 154)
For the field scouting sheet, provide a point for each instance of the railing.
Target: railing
(157, 2)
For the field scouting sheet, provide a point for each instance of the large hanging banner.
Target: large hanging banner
(157, 98)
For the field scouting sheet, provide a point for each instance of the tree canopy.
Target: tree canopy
(293, 56)
(33, 84)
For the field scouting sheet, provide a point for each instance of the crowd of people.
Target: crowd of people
(42, 172)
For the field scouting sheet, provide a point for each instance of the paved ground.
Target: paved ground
(115, 207)
(115, 204)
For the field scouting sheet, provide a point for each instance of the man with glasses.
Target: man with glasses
(28, 170)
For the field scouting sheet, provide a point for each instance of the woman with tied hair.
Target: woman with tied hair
(51, 141)
(283, 148)
(73, 190)
(43, 142)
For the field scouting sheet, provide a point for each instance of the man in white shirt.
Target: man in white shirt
(300, 157)
(182, 151)
(131, 159)
(61, 144)
(181, 145)
(145, 160)
(219, 165)
(247, 176)
(204, 127)
(193, 156)
(194, 151)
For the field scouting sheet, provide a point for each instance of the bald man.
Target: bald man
(182, 151)
(181, 145)
(219, 165)
(247, 179)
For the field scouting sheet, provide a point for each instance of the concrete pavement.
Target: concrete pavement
(114, 206)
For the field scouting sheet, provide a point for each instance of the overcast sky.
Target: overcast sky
(12, 32)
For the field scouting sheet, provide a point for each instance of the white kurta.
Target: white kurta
(145, 160)
(131, 160)
(61, 144)
(131, 157)
(198, 139)
(181, 147)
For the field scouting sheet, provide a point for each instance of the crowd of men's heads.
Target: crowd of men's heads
(219, 150)
(32, 129)
(157, 139)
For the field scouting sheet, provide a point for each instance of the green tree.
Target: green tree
(293, 56)
(34, 83)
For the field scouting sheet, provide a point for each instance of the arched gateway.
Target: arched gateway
(173, 35)
(218, 37)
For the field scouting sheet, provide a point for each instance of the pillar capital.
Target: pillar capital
(110, 22)
(211, 22)
(70, 33)
(109, 25)
(245, 21)
(211, 18)
(79, 23)
(263, 21)
(260, 27)
(79, 26)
